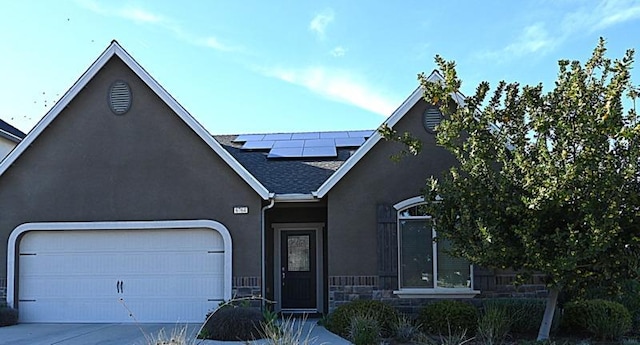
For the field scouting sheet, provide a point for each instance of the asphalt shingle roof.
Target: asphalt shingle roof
(285, 176)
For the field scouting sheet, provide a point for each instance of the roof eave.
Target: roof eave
(10, 136)
(295, 197)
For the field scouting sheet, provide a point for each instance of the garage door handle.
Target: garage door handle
(119, 287)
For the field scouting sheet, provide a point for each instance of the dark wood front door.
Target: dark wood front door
(298, 269)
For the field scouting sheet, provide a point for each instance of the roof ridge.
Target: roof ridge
(297, 132)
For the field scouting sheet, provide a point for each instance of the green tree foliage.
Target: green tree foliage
(547, 181)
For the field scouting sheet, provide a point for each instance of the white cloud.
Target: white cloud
(534, 38)
(320, 22)
(337, 85)
(142, 16)
(338, 51)
(606, 14)
(92, 6)
(213, 42)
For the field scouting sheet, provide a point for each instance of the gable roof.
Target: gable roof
(299, 176)
(115, 49)
(10, 132)
(391, 121)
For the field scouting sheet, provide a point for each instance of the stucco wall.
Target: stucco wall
(92, 165)
(376, 179)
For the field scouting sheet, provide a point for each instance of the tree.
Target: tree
(546, 182)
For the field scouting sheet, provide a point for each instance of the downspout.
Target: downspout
(263, 248)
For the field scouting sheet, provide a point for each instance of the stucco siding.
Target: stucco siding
(376, 179)
(93, 165)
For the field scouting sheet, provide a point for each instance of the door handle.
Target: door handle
(119, 286)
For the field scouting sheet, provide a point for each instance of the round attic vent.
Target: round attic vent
(431, 118)
(119, 97)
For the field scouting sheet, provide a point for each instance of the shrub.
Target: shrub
(289, 331)
(630, 298)
(339, 320)
(449, 317)
(494, 324)
(404, 329)
(604, 319)
(178, 336)
(364, 330)
(525, 313)
(8, 316)
(625, 292)
(233, 323)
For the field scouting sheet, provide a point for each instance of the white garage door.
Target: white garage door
(159, 275)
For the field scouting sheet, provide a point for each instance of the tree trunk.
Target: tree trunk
(547, 319)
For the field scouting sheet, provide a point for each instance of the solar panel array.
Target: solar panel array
(303, 145)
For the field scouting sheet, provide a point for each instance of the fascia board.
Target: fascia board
(116, 49)
(282, 198)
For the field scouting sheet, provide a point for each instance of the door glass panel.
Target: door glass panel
(298, 253)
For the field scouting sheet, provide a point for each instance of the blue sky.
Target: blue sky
(283, 66)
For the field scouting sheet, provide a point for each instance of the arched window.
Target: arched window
(424, 265)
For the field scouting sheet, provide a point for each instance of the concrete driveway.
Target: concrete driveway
(128, 334)
(87, 334)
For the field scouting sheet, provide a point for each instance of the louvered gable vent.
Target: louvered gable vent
(431, 118)
(120, 97)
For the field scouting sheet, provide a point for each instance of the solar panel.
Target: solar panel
(278, 136)
(360, 134)
(303, 145)
(319, 142)
(288, 143)
(258, 145)
(312, 135)
(248, 137)
(320, 151)
(285, 152)
(332, 135)
(349, 142)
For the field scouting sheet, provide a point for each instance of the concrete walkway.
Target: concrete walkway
(129, 334)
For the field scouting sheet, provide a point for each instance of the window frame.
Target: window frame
(435, 291)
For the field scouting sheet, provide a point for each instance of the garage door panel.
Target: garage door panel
(167, 275)
(73, 310)
(209, 287)
(75, 286)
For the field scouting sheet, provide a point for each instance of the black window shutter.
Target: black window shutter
(387, 247)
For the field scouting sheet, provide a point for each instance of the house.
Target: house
(9, 138)
(119, 202)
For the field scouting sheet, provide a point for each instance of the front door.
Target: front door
(298, 269)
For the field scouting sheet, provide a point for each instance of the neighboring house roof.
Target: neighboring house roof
(115, 49)
(10, 132)
(285, 176)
